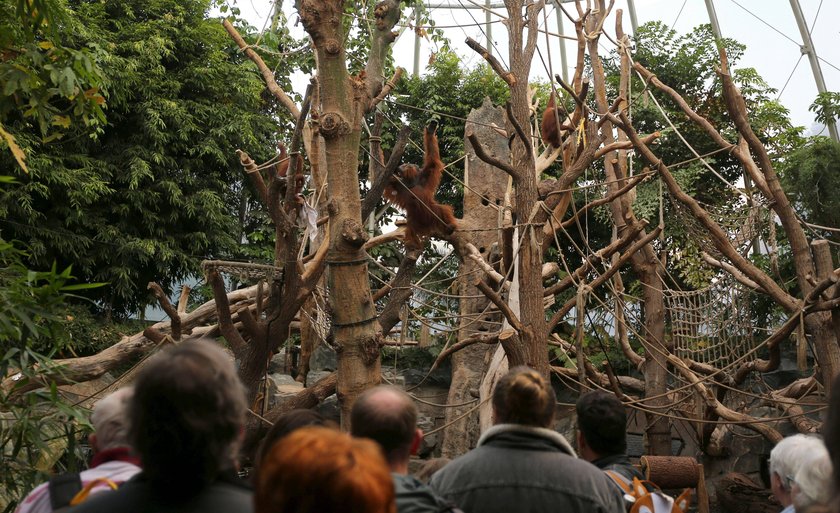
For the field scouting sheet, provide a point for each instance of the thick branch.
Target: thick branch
(494, 63)
(601, 279)
(497, 300)
(386, 90)
(375, 193)
(265, 71)
(229, 331)
(594, 259)
(721, 410)
(493, 161)
(718, 236)
(390, 315)
(170, 310)
(481, 338)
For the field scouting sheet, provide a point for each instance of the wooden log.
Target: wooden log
(86, 368)
(737, 493)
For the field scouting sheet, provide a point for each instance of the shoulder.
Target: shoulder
(38, 501)
(137, 496)
(415, 497)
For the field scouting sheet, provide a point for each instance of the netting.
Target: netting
(243, 270)
(712, 325)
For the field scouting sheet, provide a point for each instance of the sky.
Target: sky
(767, 27)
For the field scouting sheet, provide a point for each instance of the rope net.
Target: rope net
(712, 325)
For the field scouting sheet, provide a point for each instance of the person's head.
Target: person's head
(286, 424)
(110, 421)
(523, 396)
(831, 434)
(602, 424)
(321, 470)
(187, 416)
(812, 483)
(786, 458)
(388, 416)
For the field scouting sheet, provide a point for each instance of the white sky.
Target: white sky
(768, 50)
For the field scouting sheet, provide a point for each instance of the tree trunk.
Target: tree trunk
(342, 104)
(522, 32)
(645, 262)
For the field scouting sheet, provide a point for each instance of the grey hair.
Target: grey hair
(110, 419)
(812, 483)
(789, 455)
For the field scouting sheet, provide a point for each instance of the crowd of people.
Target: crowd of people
(170, 443)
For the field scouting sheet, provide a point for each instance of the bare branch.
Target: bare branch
(493, 161)
(386, 90)
(494, 63)
(229, 331)
(721, 410)
(170, 310)
(265, 71)
(497, 300)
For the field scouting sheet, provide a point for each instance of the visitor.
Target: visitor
(786, 459)
(112, 463)
(811, 490)
(388, 416)
(831, 434)
(286, 424)
(187, 420)
(602, 435)
(321, 470)
(521, 464)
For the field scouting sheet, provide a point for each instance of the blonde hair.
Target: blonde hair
(523, 396)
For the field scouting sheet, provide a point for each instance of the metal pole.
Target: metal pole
(416, 40)
(631, 6)
(808, 48)
(710, 6)
(488, 27)
(563, 62)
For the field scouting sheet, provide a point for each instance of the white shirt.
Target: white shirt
(38, 501)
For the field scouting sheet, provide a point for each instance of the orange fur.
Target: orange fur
(551, 135)
(413, 190)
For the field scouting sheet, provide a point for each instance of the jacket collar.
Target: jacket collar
(548, 434)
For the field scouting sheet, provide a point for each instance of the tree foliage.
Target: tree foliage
(811, 176)
(158, 190)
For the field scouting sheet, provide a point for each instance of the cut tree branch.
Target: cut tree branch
(494, 63)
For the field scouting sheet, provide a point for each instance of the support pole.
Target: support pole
(488, 27)
(563, 61)
(808, 49)
(416, 70)
(713, 19)
(631, 6)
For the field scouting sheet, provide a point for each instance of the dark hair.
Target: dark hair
(321, 470)
(286, 424)
(186, 416)
(523, 396)
(602, 421)
(831, 437)
(387, 416)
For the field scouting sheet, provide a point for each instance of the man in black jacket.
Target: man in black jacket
(602, 433)
(388, 416)
(523, 465)
(187, 417)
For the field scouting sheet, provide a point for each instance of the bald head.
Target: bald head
(388, 416)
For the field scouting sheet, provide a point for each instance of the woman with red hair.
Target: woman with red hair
(321, 470)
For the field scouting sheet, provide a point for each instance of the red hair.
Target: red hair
(321, 470)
